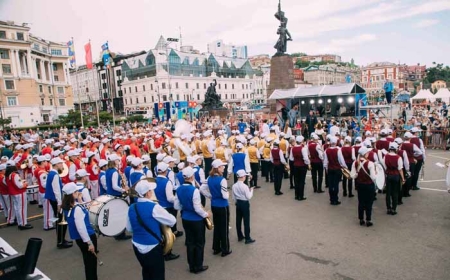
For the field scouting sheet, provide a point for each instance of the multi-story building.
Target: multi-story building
(318, 58)
(437, 85)
(227, 50)
(375, 74)
(34, 77)
(258, 61)
(411, 75)
(329, 74)
(86, 85)
(179, 77)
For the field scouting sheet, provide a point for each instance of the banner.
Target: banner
(71, 49)
(106, 57)
(88, 55)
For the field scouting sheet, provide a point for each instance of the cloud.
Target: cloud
(426, 23)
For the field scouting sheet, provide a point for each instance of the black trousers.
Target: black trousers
(208, 162)
(347, 185)
(388, 97)
(60, 229)
(254, 181)
(291, 174)
(264, 168)
(195, 242)
(299, 181)
(415, 177)
(277, 177)
(317, 175)
(267, 170)
(153, 163)
(243, 213)
(174, 213)
(152, 263)
(221, 220)
(392, 183)
(333, 184)
(286, 173)
(366, 194)
(89, 259)
(409, 182)
(225, 172)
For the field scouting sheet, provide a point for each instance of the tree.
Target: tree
(438, 72)
(73, 118)
(298, 54)
(5, 122)
(105, 117)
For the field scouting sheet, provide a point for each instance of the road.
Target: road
(294, 240)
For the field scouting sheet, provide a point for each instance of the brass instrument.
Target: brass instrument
(24, 164)
(309, 167)
(346, 173)
(208, 223)
(124, 180)
(63, 220)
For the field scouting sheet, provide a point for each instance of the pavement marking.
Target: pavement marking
(432, 155)
(430, 181)
(32, 218)
(436, 190)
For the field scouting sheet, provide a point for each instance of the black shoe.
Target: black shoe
(267, 181)
(379, 191)
(296, 198)
(25, 227)
(224, 254)
(345, 194)
(389, 212)
(337, 203)
(69, 242)
(123, 237)
(13, 224)
(249, 241)
(315, 191)
(362, 222)
(171, 257)
(369, 224)
(407, 195)
(393, 212)
(49, 229)
(217, 252)
(291, 187)
(320, 191)
(351, 195)
(257, 187)
(64, 245)
(280, 193)
(201, 269)
(40, 206)
(303, 198)
(33, 202)
(375, 198)
(179, 234)
(415, 188)
(240, 239)
(400, 203)
(271, 181)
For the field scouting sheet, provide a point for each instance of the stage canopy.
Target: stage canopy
(424, 94)
(317, 91)
(443, 94)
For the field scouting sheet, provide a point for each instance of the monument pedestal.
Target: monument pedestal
(281, 77)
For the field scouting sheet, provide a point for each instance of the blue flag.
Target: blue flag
(71, 48)
(106, 57)
(348, 78)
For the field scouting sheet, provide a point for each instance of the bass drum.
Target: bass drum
(380, 180)
(108, 215)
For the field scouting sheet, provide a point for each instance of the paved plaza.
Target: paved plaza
(294, 240)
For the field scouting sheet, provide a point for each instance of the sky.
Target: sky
(406, 31)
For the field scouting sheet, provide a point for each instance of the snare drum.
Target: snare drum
(32, 189)
(108, 215)
(381, 177)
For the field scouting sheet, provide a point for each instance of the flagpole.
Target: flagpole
(76, 82)
(93, 79)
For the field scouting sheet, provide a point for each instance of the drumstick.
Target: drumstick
(100, 263)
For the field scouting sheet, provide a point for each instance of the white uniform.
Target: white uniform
(18, 202)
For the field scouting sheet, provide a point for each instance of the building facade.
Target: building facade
(437, 85)
(34, 77)
(86, 87)
(330, 74)
(318, 58)
(410, 76)
(375, 74)
(219, 48)
(259, 61)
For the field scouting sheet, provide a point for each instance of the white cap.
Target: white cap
(143, 186)
(393, 145)
(41, 158)
(4, 158)
(398, 140)
(48, 157)
(180, 165)
(333, 140)
(95, 140)
(73, 140)
(358, 139)
(315, 136)
(188, 172)
(89, 154)
(70, 188)
(299, 139)
(239, 146)
(57, 145)
(8, 143)
(162, 166)
(56, 160)
(18, 147)
(282, 134)
(192, 159)
(241, 173)
(136, 161)
(72, 153)
(363, 150)
(82, 173)
(252, 142)
(207, 133)
(102, 163)
(2, 166)
(113, 157)
(169, 159)
(117, 146)
(106, 140)
(368, 133)
(367, 143)
(383, 132)
(414, 130)
(348, 139)
(224, 143)
(160, 157)
(217, 163)
(408, 135)
(129, 158)
(10, 163)
(389, 131)
(67, 148)
(145, 158)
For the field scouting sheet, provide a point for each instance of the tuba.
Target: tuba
(346, 173)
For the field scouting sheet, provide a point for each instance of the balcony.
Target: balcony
(46, 108)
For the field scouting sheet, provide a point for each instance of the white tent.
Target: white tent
(424, 94)
(317, 91)
(443, 94)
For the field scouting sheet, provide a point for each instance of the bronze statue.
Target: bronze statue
(284, 35)
(212, 99)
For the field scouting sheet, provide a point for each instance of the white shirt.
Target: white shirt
(422, 148)
(334, 129)
(169, 190)
(371, 172)
(204, 189)
(79, 223)
(56, 188)
(85, 193)
(305, 154)
(159, 214)
(265, 128)
(115, 182)
(241, 191)
(196, 201)
(248, 169)
(399, 162)
(72, 171)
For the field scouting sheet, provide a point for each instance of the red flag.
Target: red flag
(87, 49)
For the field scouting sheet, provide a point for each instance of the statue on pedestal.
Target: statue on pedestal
(284, 35)
(212, 99)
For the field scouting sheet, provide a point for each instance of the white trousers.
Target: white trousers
(4, 201)
(19, 204)
(48, 212)
(95, 191)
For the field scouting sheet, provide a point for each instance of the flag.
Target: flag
(71, 48)
(348, 78)
(106, 57)
(88, 57)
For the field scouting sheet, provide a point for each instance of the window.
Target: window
(118, 72)
(56, 52)
(153, 99)
(41, 88)
(232, 86)
(124, 90)
(226, 96)
(129, 89)
(103, 76)
(104, 85)
(55, 67)
(204, 86)
(187, 85)
(50, 89)
(87, 90)
(126, 101)
(20, 36)
(242, 86)
(143, 87)
(2, 34)
(51, 102)
(176, 85)
(151, 86)
(12, 100)
(246, 86)
(219, 86)
(163, 85)
(4, 54)
(62, 102)
(6, 68)
(145, 99)
(198, 96)
(119, 83)
(42, 101)
(120, 93)
(178, 97)
(9, 84)
(135, 89)
(56, 78)
(225, 86)
(131, 100)
(198, 86)
(44, 50)
(137, 100)
(60, 90)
